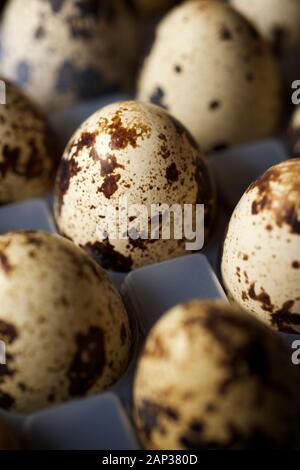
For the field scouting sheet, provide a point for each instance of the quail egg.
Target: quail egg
(28, 158)
(261, 255)
(66, 51)
(8, 441)
(277, 21)
(127, 154)
(213, 377)
(64, 325)
(211, 69)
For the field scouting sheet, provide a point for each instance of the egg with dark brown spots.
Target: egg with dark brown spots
(68, 50)
(210, 68)
(276, 20)
(214, 377)
(127, 154)
(28, 157)
(65, 328)
(261, 255)
(8, 439)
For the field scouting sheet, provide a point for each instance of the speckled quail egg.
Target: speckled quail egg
(64, 325)
(28, 158)
(295, 132)
(276, 20)
(65, 51)
(126, 154)
(211, 69)
(8, 440)
(213, 377)
(261, 256)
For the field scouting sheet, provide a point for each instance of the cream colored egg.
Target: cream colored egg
(8, 440)
(261, 256)
(211, 70)
(213, 377)
(65, 51)
(276, 20)
(63, 323)
(28, 157)
(125, 154)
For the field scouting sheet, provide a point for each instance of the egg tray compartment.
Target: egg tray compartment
(103, 422)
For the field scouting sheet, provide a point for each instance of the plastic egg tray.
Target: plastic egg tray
(103, 422)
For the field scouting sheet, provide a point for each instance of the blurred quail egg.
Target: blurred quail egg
(8, 441)
(295, 132)
(261, 256)
(276, 20)
(211, 69)
(28, 158)
(214, 377)
(65, 328)
(126, 154)
(65, 51)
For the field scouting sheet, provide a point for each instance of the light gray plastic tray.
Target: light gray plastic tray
(103, 422)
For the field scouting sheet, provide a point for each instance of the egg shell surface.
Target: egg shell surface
(135, 151)
(28, 156)
(213, 377)
(62, 52)
(210, 68)
(276, 20)
(261, 255)
(65, 328)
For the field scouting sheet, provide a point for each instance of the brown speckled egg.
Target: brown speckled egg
(8, 440)
(28, 158)
(66, 331)
(211, 69)
(65, 51)
(276, 20)
(213, 377)
(136, 151)
(261, 257)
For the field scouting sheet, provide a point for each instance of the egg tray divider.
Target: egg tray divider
(103, 421)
